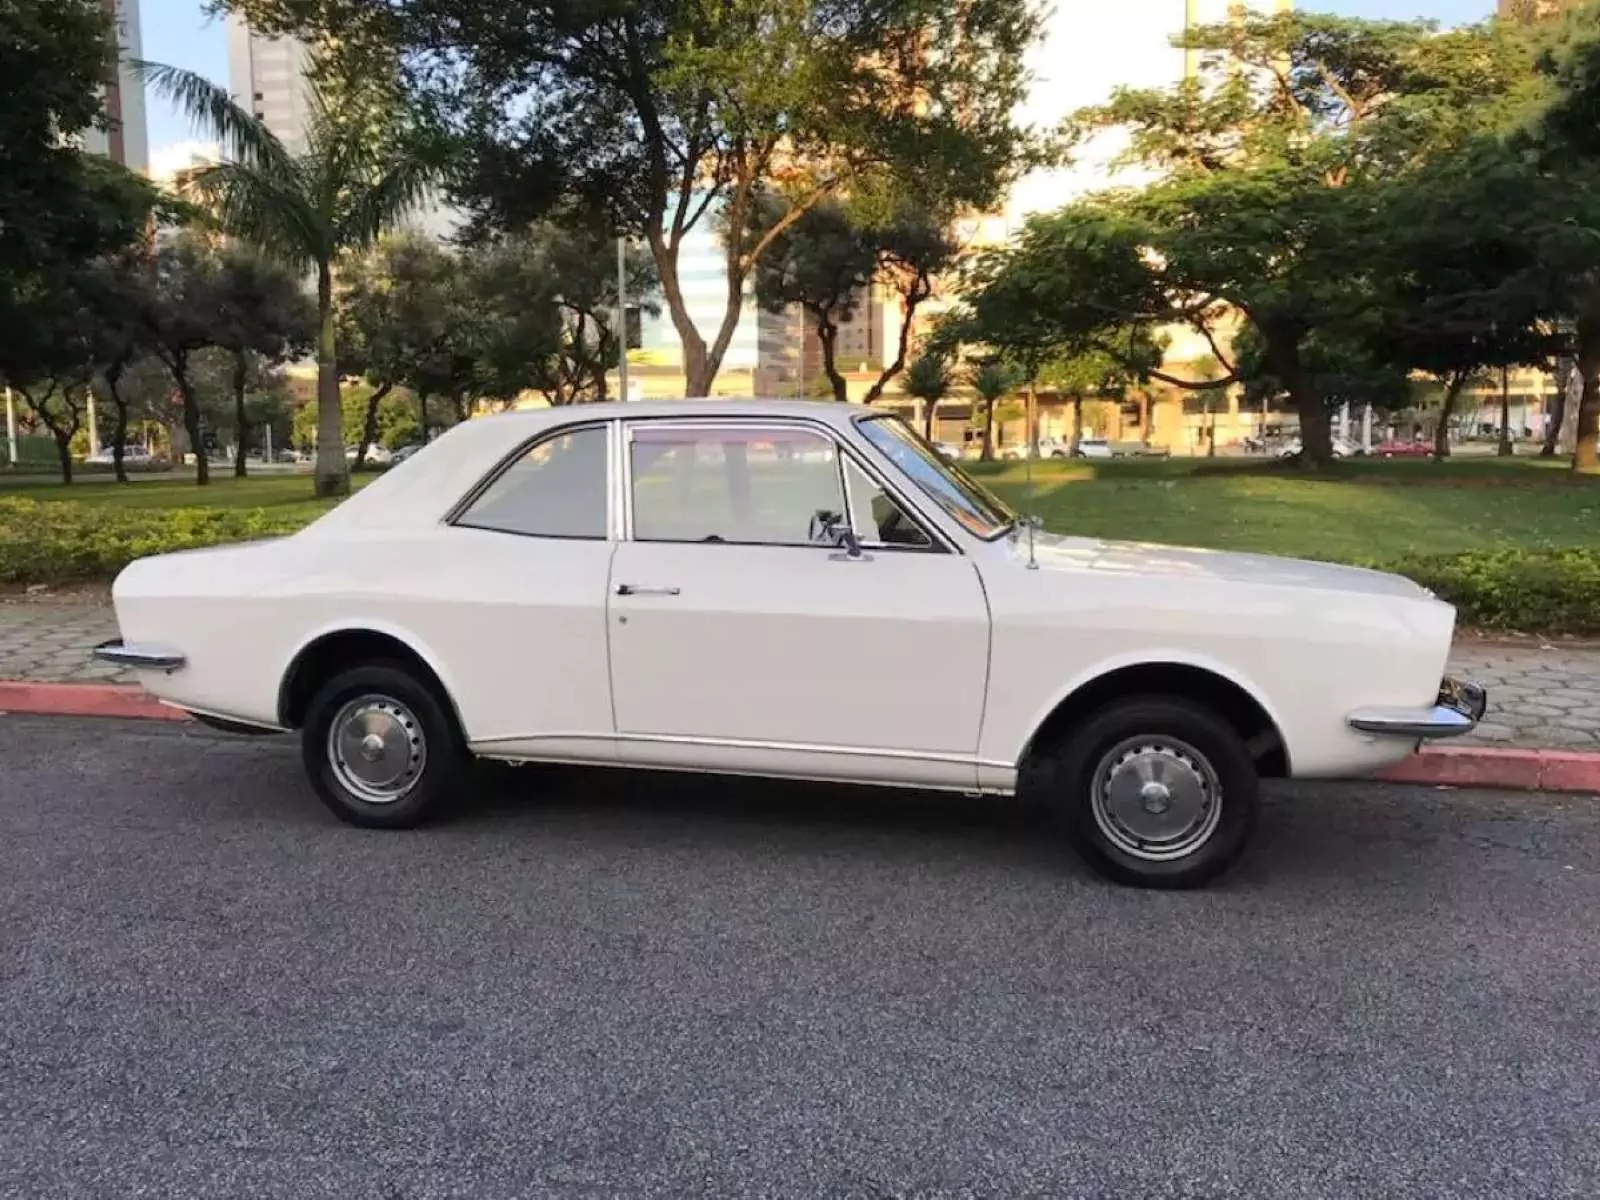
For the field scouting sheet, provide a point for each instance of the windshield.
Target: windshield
(978, 510)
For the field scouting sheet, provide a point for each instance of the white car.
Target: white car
(1094, 448)
(131, 456)
(786, 589)
(1341, 449)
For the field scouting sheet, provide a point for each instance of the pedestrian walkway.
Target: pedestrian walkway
(1540, 694)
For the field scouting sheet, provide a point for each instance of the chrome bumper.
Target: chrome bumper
(1458, 710)
(144, 658)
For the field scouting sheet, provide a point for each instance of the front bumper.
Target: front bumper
(1458, 709)
(143, 657)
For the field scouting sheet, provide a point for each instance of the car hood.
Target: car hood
(1054, 552)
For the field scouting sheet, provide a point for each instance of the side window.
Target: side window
(879, 519)
(774, 487)
(556, 489)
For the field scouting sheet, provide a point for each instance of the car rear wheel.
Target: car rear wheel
(1155, 792)
(380, 747)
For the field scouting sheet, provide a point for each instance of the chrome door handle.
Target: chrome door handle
(634, 589)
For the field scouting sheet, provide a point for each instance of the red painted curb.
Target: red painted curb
(84, 700)
(1453, 766)
(1487, 767)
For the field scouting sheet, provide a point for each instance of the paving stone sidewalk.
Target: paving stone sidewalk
(1541, 694)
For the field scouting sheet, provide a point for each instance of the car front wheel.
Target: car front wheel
(380, 747)
(1155, 792)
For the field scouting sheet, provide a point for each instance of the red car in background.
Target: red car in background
(1396, 448)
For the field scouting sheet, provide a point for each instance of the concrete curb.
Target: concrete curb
(1450, 766)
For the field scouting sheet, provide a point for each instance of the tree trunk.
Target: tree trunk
(1558, 410)
(917, 290)
(240, 428)
(929, 411)
(1505, 449)
(422, 414)
(119, 429)
(1447, 407)
(64, 453)
(369, 424)
(1585, 452)
(332, 473)
(828, 340)
(191, 416)
(988, 430)
(1282, 353)
(1077, 426)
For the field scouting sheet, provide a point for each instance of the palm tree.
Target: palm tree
(929, 379)
(992, 381)
(305, 209)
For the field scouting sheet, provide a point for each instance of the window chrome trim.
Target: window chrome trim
(475, 493)
(940, 543)
(861, 420)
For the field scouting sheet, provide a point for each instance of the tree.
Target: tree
(48, 354)
(179, 320)
(59, 207)
(827, 260)
(355, 180)
(262, 319)
(1270, 168)
(1096, 372)
(669, 115)
(992, 381)
(1562, 215)
(929, 379)
(550, 297)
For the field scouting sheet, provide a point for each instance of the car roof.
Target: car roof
(429, 484)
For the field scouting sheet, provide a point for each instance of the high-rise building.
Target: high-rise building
(1534, 10)
(125, 139)
(267, 76)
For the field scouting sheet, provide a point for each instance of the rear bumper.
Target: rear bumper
(141, 656)
(1458, 709)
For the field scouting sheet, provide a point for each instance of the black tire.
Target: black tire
(1197, 752)
(392, 699)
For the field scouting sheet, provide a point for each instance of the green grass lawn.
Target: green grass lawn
(1379, 511)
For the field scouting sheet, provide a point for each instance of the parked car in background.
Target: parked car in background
(674, 585)
(377, 455)
(131, 456)
(1094, 448)
(400, 455)
(1341, 449)
(1403, 448)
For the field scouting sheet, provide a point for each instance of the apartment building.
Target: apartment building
(125, 139)
(268, 77)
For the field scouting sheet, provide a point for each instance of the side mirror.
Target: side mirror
(845, 538)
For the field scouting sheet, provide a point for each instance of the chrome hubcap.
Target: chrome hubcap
(377, 749)
(1156, 798)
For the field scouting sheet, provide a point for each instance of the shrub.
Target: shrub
(1549, 591)
(70, 542)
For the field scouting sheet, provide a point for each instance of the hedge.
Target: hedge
(65, 543)
(1544, 591)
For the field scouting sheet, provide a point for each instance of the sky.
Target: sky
(179, 33)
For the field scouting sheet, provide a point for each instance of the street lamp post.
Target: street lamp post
(11, 428)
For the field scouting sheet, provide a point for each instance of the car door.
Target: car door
(744, 636)
(518, 581)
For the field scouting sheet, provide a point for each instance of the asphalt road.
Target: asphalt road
(595, 986)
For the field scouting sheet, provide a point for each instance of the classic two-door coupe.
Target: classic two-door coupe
(786, 589)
